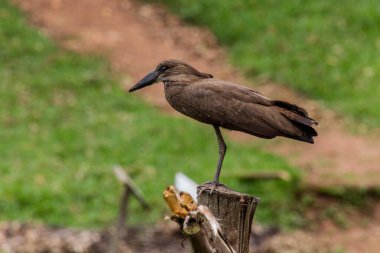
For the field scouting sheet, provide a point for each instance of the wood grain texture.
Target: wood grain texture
(234, 212)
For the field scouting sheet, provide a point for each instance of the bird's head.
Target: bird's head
(170, 70)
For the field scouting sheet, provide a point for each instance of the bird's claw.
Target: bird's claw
(210, 186)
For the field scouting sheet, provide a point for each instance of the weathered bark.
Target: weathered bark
(234, 212)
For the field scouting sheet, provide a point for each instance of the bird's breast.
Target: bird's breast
(184, 102)
(176, 96)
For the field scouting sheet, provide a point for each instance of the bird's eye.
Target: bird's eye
(163, 68)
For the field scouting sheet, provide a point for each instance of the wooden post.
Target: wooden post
(123, 177)
(129, 188)
(234, 212)
(123, 208)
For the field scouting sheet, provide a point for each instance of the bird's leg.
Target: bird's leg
(222, 152)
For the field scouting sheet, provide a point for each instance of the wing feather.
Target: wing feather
(239, 108)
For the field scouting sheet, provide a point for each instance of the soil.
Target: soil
(38, 238)
(165, 237)
(135, 36)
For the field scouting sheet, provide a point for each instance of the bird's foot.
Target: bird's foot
(210, 186)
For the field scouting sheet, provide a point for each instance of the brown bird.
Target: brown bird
(228, 105)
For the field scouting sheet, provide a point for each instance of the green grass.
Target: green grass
(329, 50)
(65, 121)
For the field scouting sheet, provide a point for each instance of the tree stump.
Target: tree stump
(234, 213)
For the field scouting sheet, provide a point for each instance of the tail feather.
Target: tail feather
(308, 139)
(295, 113)
(299, 118)
(291, 107)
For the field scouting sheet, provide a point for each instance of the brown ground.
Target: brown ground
(135, 37)
(165, 237)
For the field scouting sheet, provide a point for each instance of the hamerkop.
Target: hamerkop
(228, 105)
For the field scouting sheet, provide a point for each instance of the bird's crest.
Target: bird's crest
(176, 67)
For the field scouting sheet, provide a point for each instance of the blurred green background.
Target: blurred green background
(65, 119)
(329, 50)
(65, 122)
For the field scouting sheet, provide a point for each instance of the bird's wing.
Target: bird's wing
(240, 108)
(232, 90)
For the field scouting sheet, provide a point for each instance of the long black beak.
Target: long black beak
(146, 81)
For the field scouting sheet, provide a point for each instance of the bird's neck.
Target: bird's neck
(174, 85)
(183, 79)
(173, 89)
